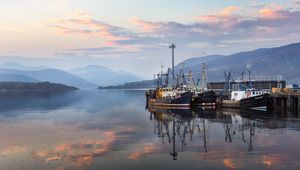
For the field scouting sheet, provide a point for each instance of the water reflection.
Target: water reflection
(110, 129)
(246, 131)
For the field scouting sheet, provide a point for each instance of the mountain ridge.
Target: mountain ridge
(104, 76)
(283, 60)
(50, 75)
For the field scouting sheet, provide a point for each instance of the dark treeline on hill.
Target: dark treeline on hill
(132, 85)
(283, 61)
(8, 86)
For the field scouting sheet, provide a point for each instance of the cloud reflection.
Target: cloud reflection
(149, 148)
(13, 150)
(80, 154)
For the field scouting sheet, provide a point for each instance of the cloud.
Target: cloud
(108, 36)
(229, 10)
(145, 26)
(296, 2)
(88, 26)
(96, 49)
(222, 28)
(58, 5)
(273, 11)
(273, 21)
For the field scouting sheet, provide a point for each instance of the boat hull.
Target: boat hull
(256, 102)
(230, 104)
(259, 102)
(205, 99)
(182, 100)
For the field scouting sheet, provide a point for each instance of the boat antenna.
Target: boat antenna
(173, 46)
(162, 64)
(154, 80)
(162, 68)
(242, 78)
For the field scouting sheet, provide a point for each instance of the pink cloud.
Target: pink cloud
(224, 18)
(90, 27)
(145, 26)
(221, 21)
(273, 11)
(229, 10)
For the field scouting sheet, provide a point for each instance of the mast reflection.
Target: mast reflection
(184, 130)
(183, 124)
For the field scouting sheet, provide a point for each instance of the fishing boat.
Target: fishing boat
(207, 98)
(251, 98)
(164, 96)
(204, 98)
(247, 98)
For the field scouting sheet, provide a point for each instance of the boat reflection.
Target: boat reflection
(179, 125)
(180, 128)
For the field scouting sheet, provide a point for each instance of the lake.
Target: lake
(112, 129)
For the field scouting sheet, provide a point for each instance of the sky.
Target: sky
(134, 35)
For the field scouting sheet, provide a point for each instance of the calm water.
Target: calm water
(110, 129)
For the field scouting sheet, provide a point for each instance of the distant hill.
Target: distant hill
(16, 78)
(15, 65)
(132, 85)
(283, 60)
(103, 76)
(50, 75)
(7, 86)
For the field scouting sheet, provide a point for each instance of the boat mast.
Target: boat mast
(173, 46)
(154, 81)
(249, 71)
(203, 77)
(203, 73)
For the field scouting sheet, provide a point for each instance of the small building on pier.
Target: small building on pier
(262, 85)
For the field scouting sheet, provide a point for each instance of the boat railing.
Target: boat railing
(261, 78)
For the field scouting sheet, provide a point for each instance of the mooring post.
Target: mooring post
(285, 104)
(274, 103)
(289, 103)
(281, 104)
(298, 103)
(295, 104)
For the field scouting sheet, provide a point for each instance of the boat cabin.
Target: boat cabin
(238, 95)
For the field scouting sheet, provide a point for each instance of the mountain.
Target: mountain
(16, 78)
(103, 76)
(14, 65)
(283, 60)
(50, 75)
(7, 86)
(132, 85)
(83, 78)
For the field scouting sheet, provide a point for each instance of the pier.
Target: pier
(284, 102)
